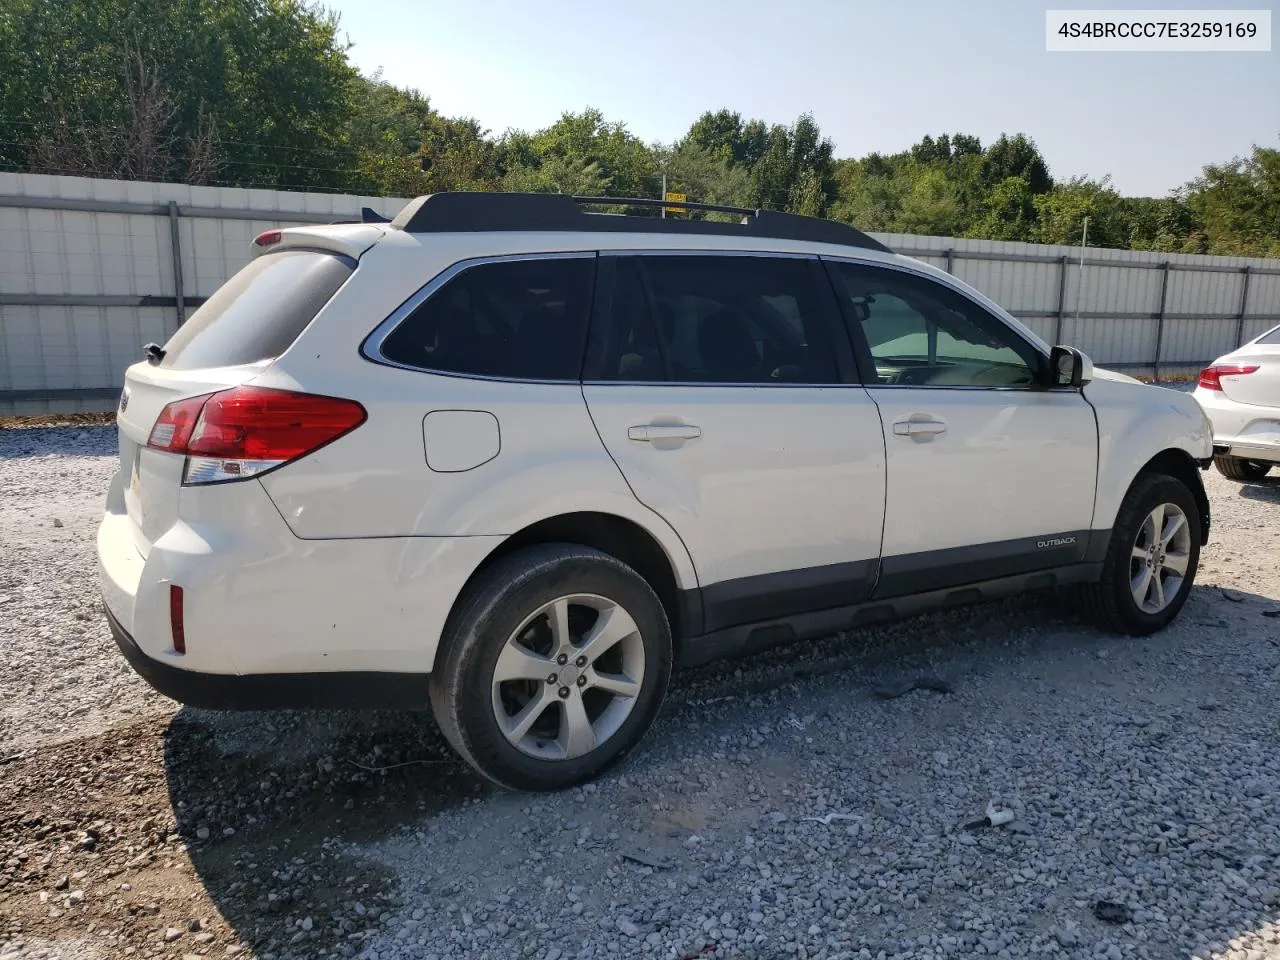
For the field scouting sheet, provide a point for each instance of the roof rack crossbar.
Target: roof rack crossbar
(650, 202)
(557, 212)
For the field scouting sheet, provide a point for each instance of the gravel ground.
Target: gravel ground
(61, 676)
(804, 803)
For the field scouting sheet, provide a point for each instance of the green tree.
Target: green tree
(720, 135)
(621, 157)
(243, 91)
(1015, 156)
(703, 175)
(1238, 204)
(1060, 214)
(930, 206)
(576, 176)
(1006, 213)
(796, 171)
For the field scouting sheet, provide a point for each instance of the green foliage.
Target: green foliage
(261, 93)
(221, 90)
(1060, 214)
(1015, 156)
(1007, 212)
(704, 175)
(1237, 204)
(624, 162)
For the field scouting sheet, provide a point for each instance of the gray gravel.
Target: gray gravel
(62, 676)
(1140, 773)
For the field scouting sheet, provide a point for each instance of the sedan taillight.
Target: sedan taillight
(1211, 377)
(246, 431)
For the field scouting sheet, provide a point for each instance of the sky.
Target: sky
(876, 74)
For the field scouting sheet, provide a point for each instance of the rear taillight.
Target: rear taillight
(245, 431)
(173, 428)
(1211, 377)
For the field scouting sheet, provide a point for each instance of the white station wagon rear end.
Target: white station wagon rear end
(513, 460)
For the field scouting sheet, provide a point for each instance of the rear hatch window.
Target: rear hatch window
(258, 313)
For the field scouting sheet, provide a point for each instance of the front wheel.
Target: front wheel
(1151, 561)
(553, 665)
(1240, 469)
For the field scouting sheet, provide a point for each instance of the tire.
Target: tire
(1240, 469)
(1110, 603)
(507, 617)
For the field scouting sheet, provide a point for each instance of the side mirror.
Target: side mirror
(1068, 367)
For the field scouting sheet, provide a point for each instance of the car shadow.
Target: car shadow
(265, 801)
(1267, 489)
(270, 804)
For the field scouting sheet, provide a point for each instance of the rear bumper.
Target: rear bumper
(274, 691)
(258, 601)
(1242, 430)
(1268, 452)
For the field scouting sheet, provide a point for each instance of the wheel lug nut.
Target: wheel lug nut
(582, 681)
(581, 661)
(564, 692)
(551, 679)
(562, 659)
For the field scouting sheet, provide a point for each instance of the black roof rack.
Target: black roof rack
(479, 212)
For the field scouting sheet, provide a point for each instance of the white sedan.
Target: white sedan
(1240, 393)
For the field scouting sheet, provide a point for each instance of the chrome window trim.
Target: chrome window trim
(371, 347)
(688, 252)
(949, 284)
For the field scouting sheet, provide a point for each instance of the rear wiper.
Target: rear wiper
(153, 352)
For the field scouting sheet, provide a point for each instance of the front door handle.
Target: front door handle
(649, 432)
(921, 427)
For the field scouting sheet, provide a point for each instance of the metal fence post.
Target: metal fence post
(175, 247)
(1062, 298)
(951, 261)
(1164, 296)
(1244, 305)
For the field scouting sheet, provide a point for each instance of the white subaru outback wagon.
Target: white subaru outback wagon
(513, 460)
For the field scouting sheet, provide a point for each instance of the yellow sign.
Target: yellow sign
(676, 198)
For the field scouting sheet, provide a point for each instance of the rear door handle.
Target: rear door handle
(919, 427)
(664, 431)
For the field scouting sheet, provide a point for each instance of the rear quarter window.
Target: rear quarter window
(521, 319)
(259, 312)
(1271, 336)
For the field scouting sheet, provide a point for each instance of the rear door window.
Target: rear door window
(259, 312)
(520, 319)
(719, 319)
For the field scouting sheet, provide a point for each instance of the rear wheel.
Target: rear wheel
(1240, 469)
(554, 664)
(1151, 561)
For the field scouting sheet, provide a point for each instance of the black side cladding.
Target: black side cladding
(482, 212)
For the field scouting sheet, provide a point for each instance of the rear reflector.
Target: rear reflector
(175, 619)
(246, 431)
(1211, 377)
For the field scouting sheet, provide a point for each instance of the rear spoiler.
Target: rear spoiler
(348, 240)
(367, 215)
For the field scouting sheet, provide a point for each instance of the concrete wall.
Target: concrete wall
(87, 276)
